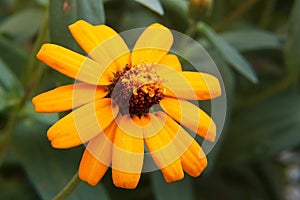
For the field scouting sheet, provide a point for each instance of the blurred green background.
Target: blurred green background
(255, 44)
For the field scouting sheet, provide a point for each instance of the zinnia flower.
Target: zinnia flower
(124, 99)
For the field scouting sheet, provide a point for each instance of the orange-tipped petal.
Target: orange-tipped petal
(188, 85)
(128, 154)
(190, 116)
(68, 97)
(82, 124)
(90, 169)
(172, 61)
(74, 65)
(97, 156)
(193, 158)
(153, 44)
(162, 148)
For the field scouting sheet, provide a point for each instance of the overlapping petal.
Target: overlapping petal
(193, 158)
(102, 43)
(82, 124)
(190, 116)
(162, 148)
(68, 97)
(97, 156)
(188, 85)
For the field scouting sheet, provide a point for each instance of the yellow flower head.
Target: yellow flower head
(127, 98)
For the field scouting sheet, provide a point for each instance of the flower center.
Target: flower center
(136, 89)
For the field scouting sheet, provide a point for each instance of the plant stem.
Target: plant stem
(69, 188)
(267, 13)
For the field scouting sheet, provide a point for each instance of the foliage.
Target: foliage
(254, 44)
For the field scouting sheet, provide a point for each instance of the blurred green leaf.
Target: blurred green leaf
(153, 5)
(252, 39)
(49, 169)
(263, 130)
(291, 52)
(13, 56)
(8, 79)
(42, 2)
(230, 54)
(179, 9)
(176, 191)
(65, 12)
(22, 25)
(15, 187)
(10, 87)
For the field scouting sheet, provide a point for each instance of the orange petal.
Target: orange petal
(190, 116)
(172, 61)
(74, 65)
(188, 85)
(162, 149)
(193, 158)
(90, 169)
(128, 154)
(97, 156)
(68, 97)
(153, 44)
(82, 124)
(102, 43)
(84, 34)
(113, 51)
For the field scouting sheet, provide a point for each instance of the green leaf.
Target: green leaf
(291, 50)
(49, 169)
(230, 54)
(65, 12)
(15, 57)
(179, 9)
(263, 130)
(252, 39)
(153, 5)
(22, 25)
(10, 87)
(176, 191)
(8, 79)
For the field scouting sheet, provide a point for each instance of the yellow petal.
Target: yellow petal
(74, 65)
(153, 44)
(172, 61)
(162, 149)
(128, 154)
(188, 85)
(192, 158)
(68, 97)
(82, 124)
(190, 116)
(97, 156)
